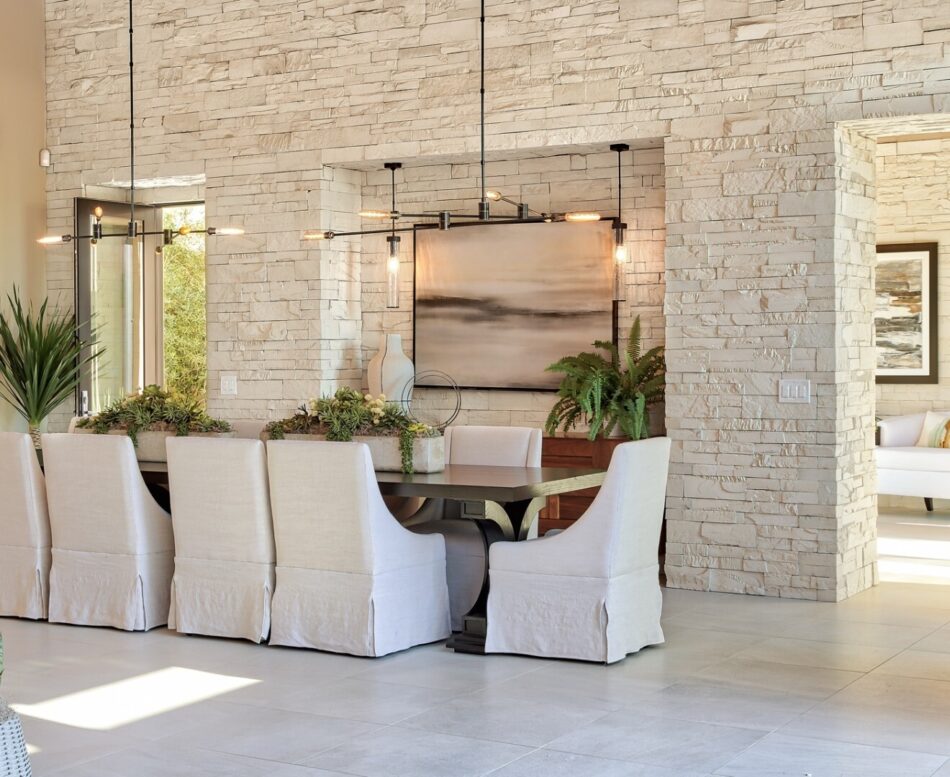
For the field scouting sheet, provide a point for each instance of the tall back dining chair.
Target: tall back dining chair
(350, 579)
(499, 446)
(591, 592)
(224, 537)
(113, 550)
(24, 530)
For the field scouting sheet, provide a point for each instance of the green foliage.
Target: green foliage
(154, 410)
(348, 414)
(41, 358)
(185, 333)
(609, 391)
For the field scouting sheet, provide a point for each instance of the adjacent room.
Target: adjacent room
(462, 388)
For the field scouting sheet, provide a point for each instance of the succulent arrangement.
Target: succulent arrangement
(153, 410)
(609, 391)
(349, 413)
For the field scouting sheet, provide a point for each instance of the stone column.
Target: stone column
(766, 497)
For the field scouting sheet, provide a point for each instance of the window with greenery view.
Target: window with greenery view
(185, 336)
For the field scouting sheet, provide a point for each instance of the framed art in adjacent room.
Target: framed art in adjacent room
(905, 313)
(496, 304)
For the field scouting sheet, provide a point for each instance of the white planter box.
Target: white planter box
(428, 453)
(151, 445)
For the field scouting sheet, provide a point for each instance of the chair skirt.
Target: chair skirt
(24, 582)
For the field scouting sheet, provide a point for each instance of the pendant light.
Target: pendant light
(132, 231)
(444, 219)
(621, 253)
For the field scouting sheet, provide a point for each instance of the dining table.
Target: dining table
(511, 496)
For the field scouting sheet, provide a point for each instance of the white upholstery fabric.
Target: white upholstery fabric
(901, 431)
(24, 530)
(903, 469)
(112, 544)
(591, 592)
(350, 579)
(224, 538)
(500, 446)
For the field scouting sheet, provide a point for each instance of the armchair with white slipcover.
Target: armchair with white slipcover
(224, 538)
(350, 579)
(591, 592)
(498, 446)
(113, 550)
(903, 468)
(24, 530)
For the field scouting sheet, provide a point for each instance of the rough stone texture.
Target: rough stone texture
(913, 206)
(262, 98)
(580, 181)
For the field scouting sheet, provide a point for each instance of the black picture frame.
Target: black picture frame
(931, 376)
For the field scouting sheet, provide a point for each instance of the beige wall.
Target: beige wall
(913, 206)
(22, 133)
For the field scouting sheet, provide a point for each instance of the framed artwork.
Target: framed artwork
(905, 313)
(496, 304)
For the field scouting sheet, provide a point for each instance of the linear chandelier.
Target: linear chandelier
(446, 219)
(132, 232)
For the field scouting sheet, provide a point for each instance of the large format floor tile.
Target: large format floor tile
(743, 686)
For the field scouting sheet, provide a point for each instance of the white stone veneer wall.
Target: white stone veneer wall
(261, 97)
(553, 183)
(913, 206)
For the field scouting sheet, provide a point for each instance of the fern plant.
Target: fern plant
(609, 390)
(42, 359)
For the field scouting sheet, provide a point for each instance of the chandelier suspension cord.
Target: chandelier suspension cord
(482, 94)
(392, 170)
(619, 186)
(132, 226)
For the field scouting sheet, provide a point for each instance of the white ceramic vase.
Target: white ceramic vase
(390, 371)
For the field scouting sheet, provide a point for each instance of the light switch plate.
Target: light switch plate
(229, 386)
(794, 391)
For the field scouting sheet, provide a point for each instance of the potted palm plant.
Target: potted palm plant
(42, 359)
(609, 392)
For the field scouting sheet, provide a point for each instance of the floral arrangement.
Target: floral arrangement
(349, 413)
(153, 410)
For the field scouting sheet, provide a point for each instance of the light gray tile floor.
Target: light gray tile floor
(744, 687)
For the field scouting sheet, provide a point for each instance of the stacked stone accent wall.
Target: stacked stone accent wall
(746, 96)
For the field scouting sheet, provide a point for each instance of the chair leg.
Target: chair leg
(929, 502)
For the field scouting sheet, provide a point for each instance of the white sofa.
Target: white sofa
(903, 469)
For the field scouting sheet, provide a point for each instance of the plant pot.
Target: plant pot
(151, 445)
(428, 453)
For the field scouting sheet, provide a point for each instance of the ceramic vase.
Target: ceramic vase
(390, 371)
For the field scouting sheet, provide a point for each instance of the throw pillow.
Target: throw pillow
(935, 432)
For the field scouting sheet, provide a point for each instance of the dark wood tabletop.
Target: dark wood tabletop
(496, 484)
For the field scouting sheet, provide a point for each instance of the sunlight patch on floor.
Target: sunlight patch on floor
(127, 701)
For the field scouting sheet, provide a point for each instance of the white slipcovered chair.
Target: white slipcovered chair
(350, 579)
(224, 538)
(591, 592)
(113, 550)
(24, 530)
(903, 468)
(498, 446)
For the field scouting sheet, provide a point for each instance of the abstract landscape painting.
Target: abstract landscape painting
(495, 305)
(905, 313)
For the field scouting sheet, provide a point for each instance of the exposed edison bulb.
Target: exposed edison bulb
(581, 216)
(492, 195)
(51, 240)
(392, 264)
(317, 234)
(184, 229)
(377, 214)
(621, 254)
(97, 212)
